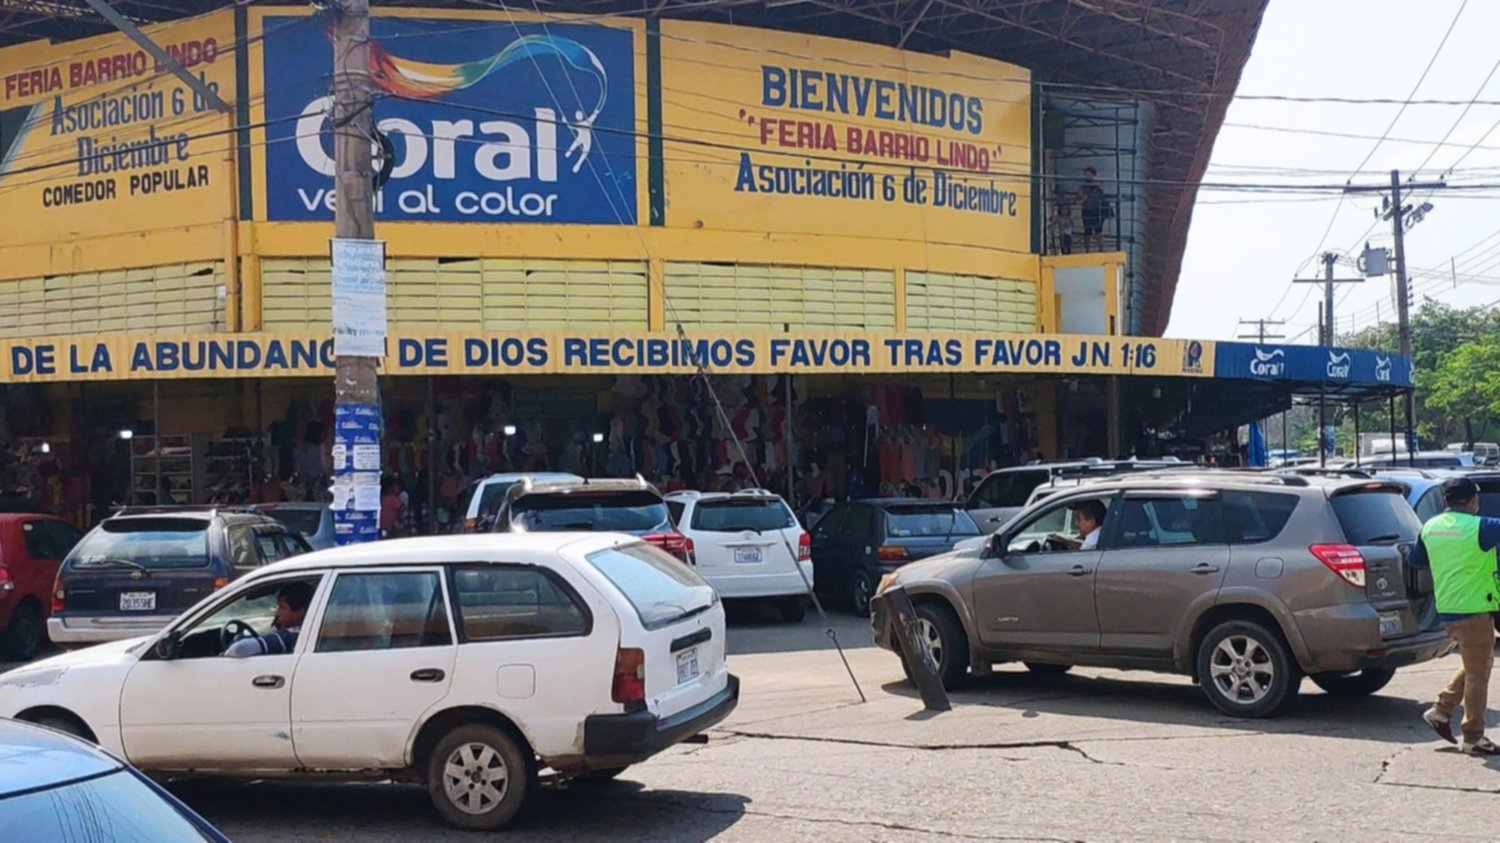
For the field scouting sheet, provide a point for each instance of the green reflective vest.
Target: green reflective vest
(1463, 576)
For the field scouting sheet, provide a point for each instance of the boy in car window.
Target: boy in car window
(291, 608)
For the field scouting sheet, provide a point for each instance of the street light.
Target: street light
(510, 430)
(126, 433)
(46, 448)
(598, 438)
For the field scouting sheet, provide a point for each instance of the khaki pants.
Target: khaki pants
(1471, 684)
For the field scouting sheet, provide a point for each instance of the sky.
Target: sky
(1244, 249)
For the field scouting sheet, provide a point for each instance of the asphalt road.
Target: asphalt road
(1096, 755)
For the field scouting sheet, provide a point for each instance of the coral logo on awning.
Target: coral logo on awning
(1268, 364)
(1339, 365)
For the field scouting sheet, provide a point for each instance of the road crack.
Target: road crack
(867, 823)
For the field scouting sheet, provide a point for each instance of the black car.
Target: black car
(858, 542)
(57, 787)
(142, 567)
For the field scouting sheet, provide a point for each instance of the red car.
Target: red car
(32, 546)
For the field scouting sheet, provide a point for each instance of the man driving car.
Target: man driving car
(291, 608)
(1088, 517)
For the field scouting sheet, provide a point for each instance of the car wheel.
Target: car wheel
(944, 638)
(23, 637)
(1041, 669)
(597, 777)
(1360, 683)
(793, 610)
(66, 725)
(860, 592)
(1246, 671)
(478, 777)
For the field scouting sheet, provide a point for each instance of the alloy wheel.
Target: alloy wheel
(932, 639)
(1242, 670)
(475, 778)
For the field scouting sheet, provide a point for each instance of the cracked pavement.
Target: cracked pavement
(1097, 755)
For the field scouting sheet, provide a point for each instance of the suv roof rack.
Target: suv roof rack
(209, 509)
(1324, 471)
(1254, 476)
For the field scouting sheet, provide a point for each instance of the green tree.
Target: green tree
(1438, 331)
(1465, 388)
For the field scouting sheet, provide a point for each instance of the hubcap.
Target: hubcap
(862, 594)
(475, 778)
(932, 640)
(1242, 670)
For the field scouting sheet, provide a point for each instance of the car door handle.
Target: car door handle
(1078, 571)
(268, 681)
(428, 674)
(1203, 568)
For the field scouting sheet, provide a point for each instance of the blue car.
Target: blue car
(56, 787)
(1424, 488)
(142, 567)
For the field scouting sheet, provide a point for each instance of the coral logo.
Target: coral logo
(1383, 369)
(1339, 365)
(1268, 364)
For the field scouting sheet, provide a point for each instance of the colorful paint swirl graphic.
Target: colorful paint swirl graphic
(426, 80)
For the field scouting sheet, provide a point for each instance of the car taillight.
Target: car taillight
(630, 676)
(804, 547)
(892, 553)
(6, 584)
(674, 543)
(220, 582)
(1344, 560)
(58, 595)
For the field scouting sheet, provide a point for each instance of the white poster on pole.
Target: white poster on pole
(358, 298)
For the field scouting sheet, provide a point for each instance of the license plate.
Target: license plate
(749, 555)
(687, 666)
(138, 601)
(1390, 624)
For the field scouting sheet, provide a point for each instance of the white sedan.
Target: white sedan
(469, 663)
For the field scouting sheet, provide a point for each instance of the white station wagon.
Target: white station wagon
(469, 663)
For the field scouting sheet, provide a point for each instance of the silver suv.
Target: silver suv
(1245, 581)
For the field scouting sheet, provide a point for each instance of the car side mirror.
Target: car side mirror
(994, 547)
(167, 646)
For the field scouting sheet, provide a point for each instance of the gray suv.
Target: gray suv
(1245, 581)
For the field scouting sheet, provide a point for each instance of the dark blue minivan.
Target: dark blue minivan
(141, 568)
(858, 542)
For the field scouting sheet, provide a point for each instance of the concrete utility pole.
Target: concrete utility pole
(1326, 339)
(1326, 334)
(1401, 218)
(355, 383)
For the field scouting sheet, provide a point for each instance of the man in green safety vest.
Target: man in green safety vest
(1459, 546)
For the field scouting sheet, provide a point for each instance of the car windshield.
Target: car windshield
(662, 590)
(1379, 517)
(304, 521)
(145, 542)
(117, 807)
(622, 512)
(908, 520)
(733, 515)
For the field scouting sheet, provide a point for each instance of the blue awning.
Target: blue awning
(1334, 370)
